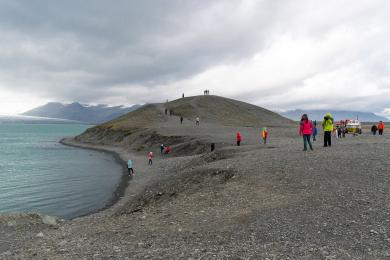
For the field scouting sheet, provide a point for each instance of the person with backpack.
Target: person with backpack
(374, 128)
(381, 127)
(264, 135)
(238, 138)
(327, 125)
(150, 158)
(305, 130)
(130, 167)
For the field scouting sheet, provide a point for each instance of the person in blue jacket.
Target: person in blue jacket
(130, 167)
(315, 131)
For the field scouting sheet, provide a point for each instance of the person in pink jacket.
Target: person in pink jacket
(306, 130)
(150, 158)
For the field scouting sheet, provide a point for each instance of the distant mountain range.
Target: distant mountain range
(77, 112)
(337, 115)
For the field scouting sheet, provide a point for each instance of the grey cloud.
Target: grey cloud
(148, 42)
(93, 50)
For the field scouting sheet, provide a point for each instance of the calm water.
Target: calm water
(37, 174)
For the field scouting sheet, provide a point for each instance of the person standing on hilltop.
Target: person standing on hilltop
(264, 135)
(238, 138)
(327, 125)
(150, 158)
(305, 130)
(197, 121)
(130, 167)
(381, 127)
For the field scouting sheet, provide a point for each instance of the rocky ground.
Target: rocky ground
(255, 201)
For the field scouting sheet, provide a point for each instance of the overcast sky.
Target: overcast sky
(277, 54)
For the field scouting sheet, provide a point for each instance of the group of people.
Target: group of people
(170, 111)
(308, 129)
(163, 150)
(264, 135)
(206, 92)
(379, 128)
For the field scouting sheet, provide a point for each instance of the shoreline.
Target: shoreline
(120, 190)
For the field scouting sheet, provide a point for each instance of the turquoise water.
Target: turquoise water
(38, 174)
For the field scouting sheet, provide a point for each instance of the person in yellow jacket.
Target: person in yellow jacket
(327, 125)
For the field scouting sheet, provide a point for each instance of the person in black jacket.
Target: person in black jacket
(374, 128)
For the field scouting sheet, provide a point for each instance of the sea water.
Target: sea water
(38, 174)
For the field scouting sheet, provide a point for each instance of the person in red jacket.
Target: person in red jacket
(381, 127)
(306, 130)
(167, 150)
(238, 138)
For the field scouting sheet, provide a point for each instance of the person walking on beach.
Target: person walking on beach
(150, 158)
(381, 127)
(327, 125)
(238, 138)
(315, 131)
(374, 128)
(197, 121)
(305, 130)
(130, 167)
(264, 135)
(181, 120)
(162, 147)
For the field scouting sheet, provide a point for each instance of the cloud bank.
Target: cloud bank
(277, 54)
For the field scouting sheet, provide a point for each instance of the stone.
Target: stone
(49, 220)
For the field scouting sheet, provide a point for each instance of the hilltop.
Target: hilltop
(78, 112)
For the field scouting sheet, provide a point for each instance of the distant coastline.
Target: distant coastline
(22, 119)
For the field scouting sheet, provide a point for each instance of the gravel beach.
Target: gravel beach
(255, 201)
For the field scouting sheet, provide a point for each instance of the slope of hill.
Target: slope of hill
(78, 112)
(337, 114)
(213, 110)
